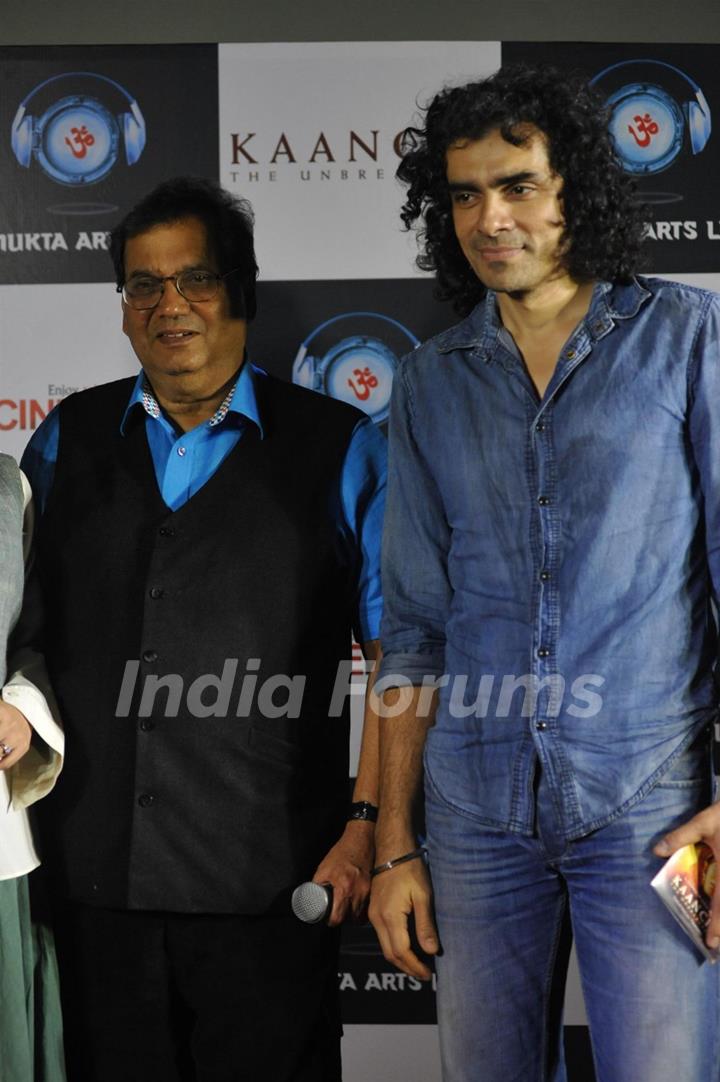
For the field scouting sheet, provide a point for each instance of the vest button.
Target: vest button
(147, 725)
(156, 592)
(145, 800)
(150, 656)
(166, 531)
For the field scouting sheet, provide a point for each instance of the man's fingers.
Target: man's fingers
(339, 909)
(401, 954)
(712, 933)
(350, 891)
(393, 903)
(425, 929)
(676, 839)
(703, 827)
(345, 890)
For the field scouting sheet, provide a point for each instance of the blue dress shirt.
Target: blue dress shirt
(553, 560)
(185, 461)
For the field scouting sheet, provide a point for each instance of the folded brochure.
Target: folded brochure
(685, 883)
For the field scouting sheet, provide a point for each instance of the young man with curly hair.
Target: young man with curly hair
(552, 548)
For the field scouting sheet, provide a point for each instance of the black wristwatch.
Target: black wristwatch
(363, 809)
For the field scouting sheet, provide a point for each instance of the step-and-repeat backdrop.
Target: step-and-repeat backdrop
(312, 135)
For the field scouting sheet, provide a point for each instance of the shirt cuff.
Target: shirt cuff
(36, 773)
(416, 669)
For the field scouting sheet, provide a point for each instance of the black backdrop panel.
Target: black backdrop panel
(65, 147)
(664, 91)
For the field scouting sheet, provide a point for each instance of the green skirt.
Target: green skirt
(31, 1048)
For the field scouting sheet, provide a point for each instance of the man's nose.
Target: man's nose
(171, 300)
(493, 215)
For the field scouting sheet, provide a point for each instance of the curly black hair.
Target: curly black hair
(604, 226)
(228, 222)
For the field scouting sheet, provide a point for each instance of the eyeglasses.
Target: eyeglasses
(144, 291)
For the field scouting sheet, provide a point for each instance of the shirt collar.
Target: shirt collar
(481, 328)
(240, 401)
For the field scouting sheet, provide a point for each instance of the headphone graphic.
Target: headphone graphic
(76, 141)
(648, 125)
(358, 368)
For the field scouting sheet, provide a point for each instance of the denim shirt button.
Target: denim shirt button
(541, 726)
(543, 501)
(543, 652)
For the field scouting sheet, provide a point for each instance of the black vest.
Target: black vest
(178, 803)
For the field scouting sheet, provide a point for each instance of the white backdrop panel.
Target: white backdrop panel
(317, 217)
(55, 339)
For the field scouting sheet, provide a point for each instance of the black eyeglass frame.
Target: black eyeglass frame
(175, 279)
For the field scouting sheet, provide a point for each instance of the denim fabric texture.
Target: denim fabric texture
(553, 561)
(505, 906)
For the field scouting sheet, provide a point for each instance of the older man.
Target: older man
(553, 547)
(208, 540)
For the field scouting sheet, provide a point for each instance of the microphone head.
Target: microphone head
(312, 902)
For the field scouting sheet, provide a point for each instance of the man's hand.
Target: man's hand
(347, 868)
(703, 827)
(15, 734)
(396, 895)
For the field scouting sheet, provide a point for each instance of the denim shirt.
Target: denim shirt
(552, 561)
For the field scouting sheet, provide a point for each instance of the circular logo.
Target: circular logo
(647, 128)
(360, 371)
(353, 357)
(77, 141)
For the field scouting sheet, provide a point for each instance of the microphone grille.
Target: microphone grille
(311, 902)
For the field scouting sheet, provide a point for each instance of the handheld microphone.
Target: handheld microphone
(312, 902)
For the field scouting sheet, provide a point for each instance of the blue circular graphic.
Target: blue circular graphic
(360, 371)
(647, 128)
(353, 357)
(78, 141)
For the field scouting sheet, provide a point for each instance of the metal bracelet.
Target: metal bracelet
(413, 855)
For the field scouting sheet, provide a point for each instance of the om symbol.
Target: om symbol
(646, 126)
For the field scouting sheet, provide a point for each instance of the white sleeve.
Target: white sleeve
(28, 689)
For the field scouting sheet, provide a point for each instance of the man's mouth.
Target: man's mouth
(175, 336)
(498, 253)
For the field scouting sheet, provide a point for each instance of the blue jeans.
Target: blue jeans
(505, 906)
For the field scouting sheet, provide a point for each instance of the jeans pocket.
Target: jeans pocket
(693, 766)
